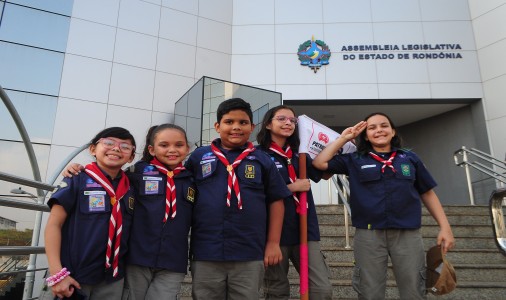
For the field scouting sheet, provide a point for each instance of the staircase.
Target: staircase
(480, 267)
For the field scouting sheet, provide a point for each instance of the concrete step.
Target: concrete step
(456, 256)
(465, 272)
(459, 231)
(338, 219)
(470, 242)
(465, 210)
(342, 289)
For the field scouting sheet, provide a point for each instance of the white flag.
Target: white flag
(315, 136)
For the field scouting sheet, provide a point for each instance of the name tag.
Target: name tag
(367, 166)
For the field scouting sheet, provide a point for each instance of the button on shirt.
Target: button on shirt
(226, 233)
(384, 200)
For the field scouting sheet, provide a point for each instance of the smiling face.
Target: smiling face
(235, 128)
(112, 153)
(379, 133)
(282, 126)
(169, 147)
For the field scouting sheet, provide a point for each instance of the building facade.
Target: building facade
(72, 68)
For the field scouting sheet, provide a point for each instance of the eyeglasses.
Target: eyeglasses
(109, 144)
(283, 119)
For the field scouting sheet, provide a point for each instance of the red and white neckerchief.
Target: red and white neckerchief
(288, 154)
(232, 179)
(170, 190)
(386, 163)
(116, 220)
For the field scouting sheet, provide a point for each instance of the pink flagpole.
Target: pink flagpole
(304, 258)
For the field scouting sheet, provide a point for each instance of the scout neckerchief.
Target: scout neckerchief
(288, 154)
(232, 179)
(116, 220)
(386, 163)
(170, 190)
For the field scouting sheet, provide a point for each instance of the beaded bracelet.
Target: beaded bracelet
(52, 280)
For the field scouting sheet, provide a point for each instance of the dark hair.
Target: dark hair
(115, 132)
(233, 104)
(364, 146)
(264, 136)
(150, 138)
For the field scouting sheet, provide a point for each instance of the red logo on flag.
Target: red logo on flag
(322, 137)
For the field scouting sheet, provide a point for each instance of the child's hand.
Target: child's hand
(445, 239)
(272, 254)
(300, 185)
(65, 288)
(72, 169)
(352, 132)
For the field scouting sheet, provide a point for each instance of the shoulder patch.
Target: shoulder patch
(60, 186)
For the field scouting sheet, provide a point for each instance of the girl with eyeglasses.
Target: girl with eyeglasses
(165, 194)
(278, 137)
(88, 229)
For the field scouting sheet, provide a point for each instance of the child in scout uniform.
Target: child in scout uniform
(388, 185)
(279, 138)
(89, 225)
(158, 254)
(238, 213)
(158, 257)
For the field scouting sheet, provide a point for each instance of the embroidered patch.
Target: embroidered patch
(91, 183)
(207, 161)
(191, 194)
(249, 171)
(151, 187)
(208, 155)
(278, 164)
(150, 170)
(131, 202)
(96, 202)
(60, 186)
(405, 170)
(206, 169)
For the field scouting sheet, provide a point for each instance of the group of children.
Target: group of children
(115, 234)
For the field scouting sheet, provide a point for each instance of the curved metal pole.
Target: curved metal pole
(497, 216)
(40, 193)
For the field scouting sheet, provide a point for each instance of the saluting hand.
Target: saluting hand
(352, 132)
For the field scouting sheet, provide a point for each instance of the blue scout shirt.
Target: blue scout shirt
(290, 235)
(153, 243)
(384, 200)
(85, 231)
(221, 233)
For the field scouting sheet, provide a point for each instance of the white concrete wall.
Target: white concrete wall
(266, 36)
(489, 26)
(129, 61)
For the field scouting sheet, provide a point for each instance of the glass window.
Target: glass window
(14, 161)
(30, 69)
(63, 7)
(37, 112)
(33, 27)
(199, 114)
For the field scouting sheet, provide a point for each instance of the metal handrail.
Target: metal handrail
(497, 215)
(42, 190)
(343, 191)
(461, 158)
